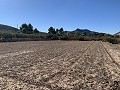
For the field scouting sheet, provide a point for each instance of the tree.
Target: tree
(57, 31)
(51, 30)
(30, 29)
(76, 35)
(68, 34)
(27, 29)
(61, 31)
(24, 28)
(36, 31)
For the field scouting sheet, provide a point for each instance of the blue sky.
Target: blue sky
(96, 15)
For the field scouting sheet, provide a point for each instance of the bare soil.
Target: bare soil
(59, 65)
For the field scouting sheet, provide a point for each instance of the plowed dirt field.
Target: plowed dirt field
(59, 65)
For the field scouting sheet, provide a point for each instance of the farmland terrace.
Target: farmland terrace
(59, 65)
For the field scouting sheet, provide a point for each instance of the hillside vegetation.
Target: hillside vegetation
(8, 29)
(28, 32)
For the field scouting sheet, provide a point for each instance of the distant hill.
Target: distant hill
(82, 31)
(85, 32)
(117, 33)
(8, 29)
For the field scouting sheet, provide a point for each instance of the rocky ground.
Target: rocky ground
(59, 65)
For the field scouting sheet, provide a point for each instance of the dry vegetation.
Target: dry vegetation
(59, 65)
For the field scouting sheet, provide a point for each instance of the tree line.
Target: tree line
(28, 29)
(28, 32)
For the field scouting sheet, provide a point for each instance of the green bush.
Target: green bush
(111, 40)
(52, 37)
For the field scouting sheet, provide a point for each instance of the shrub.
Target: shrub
(111, 40)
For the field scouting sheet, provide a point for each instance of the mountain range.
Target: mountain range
(118, 33)
(85, 32)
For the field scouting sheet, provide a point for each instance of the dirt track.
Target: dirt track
(59, 65)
